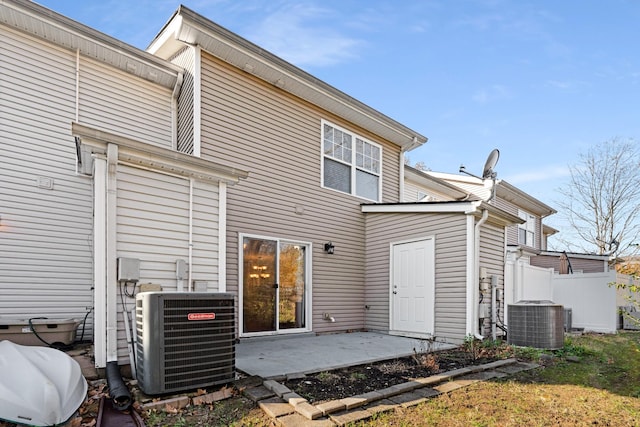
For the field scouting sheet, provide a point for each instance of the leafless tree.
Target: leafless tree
(602, 200)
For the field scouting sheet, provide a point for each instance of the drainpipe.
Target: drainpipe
(99, 260)
(174, 110)
(401, 198)
(190, 285)
(494, 304)
(476, 273)
(77, 94)
(222, 237)
(111, 279)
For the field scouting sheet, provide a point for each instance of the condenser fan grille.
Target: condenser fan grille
(188, 341)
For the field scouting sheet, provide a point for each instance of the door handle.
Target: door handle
(275, 286)
(395, 292)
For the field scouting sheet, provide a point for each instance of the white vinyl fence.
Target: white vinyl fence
(591, 300)
(593, 303)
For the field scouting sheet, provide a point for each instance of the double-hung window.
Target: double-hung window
(350, 163)
(527, 230)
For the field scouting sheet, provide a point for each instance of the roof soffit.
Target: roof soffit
(191, 28)
(36, 20)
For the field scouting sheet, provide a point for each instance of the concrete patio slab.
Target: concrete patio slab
(277, 357)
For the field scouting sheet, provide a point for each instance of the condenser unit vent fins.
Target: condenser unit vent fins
(538, 324)
(184, 340)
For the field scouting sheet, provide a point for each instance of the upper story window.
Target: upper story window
(350, 163)
(527, 230)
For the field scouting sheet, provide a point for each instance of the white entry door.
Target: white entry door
(412, 293)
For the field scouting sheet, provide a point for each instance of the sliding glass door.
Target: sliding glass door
(274, 288)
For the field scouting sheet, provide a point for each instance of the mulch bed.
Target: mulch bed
(354, 380)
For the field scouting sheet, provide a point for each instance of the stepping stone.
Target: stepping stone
(499, 363)
(293, 399)
(369, 397)
(453, 385)
(380, 406)
(297, 420)
(427, 392)
(408, 399)
(343, 418)
(434, 379)
(483, 376)
(399, 389)
(276, 407)
(252, 381)
(353, 402)
(258, 393)
(517, 367)
(276, 387)
(331, 406)
(308, 411)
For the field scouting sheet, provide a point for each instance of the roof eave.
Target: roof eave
(188, 27)
(33, 19)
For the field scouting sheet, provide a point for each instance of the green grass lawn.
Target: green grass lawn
(593, 380)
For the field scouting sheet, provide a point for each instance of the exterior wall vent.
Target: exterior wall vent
(538, 324)
(184, 340)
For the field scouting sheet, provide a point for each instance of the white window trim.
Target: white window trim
(529, 226)
(353, 166)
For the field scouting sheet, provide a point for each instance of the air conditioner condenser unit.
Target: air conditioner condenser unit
(185, 340)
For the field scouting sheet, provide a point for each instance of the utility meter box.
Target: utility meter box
(128, 270)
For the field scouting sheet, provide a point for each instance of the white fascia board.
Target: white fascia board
(434, 207)
(157, 158)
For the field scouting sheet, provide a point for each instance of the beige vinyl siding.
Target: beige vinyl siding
(45, 233)
(153, 226)
(185, 139)
(277, 138)
(118, 102)
(206, 230)
(450, 238)
(512, 231)
(411, 190)
(492, 257)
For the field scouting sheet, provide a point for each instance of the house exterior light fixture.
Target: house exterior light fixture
(329, 248)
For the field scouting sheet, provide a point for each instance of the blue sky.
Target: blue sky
(539, 80)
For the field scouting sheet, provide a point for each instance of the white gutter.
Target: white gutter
(476, 273)
(111, 254)
(99, 260)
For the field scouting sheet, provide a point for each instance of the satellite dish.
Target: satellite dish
(488, 171)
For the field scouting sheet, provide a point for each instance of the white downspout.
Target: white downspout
(190, 266)
(99, 261)
(111, 254)
(222, 237)
(197, 102)
(401, 198)
(476, 273)
(77, 113)
(174, 110)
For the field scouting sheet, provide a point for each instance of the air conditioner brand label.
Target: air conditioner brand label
(201, 316)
